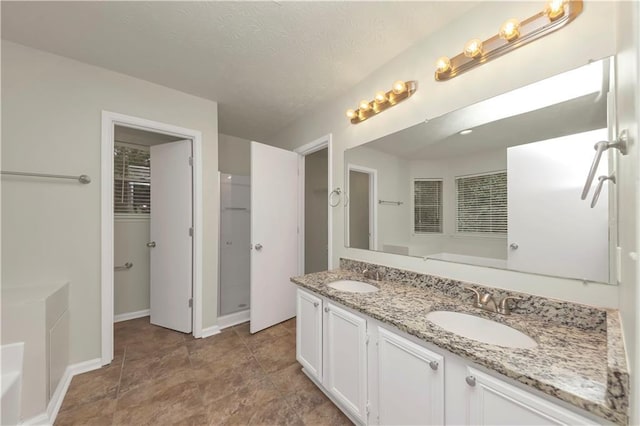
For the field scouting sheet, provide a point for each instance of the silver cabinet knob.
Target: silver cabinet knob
(258, 246)
(433, 365)
(514, 246)
(151, 244)
(326, 309)
(471, 381)
(316, 304)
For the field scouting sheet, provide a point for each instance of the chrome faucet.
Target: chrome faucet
(372, 275)
(488, 303)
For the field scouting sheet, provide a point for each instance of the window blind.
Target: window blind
(427, 205)
(482, 203)
(131, 180)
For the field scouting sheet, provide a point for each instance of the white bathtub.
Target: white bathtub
(12, 360)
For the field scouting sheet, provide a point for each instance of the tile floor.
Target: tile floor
(160, 376)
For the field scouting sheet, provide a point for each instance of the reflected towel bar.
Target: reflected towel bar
(82, 178)
(394, 203)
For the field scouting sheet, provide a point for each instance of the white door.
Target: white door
(309, 333)
(345, 373)
(171, 221)
(545, 180)
(410, 382)
(274, 235)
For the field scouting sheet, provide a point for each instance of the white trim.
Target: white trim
(325, 141)
(131, 315)
(373, 204)
(49, 417)
(235, 318)
(210, 331)
(109, 120)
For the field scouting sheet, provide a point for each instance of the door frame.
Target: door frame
(325, 141)
(373, 204)
(109, 121)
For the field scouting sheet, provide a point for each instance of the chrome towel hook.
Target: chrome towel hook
(337, 192)
(600, 147)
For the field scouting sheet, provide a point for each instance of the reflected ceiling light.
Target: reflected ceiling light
(513, 34)
(400, 90)
(466, 131)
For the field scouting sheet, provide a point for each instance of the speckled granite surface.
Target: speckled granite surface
(579, 358)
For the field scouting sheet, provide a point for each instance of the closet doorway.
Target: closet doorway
(151, 226)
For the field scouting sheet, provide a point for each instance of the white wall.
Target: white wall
(51, 115)
(628, 104)
(568, 48)
(131, 287)
(234, 155)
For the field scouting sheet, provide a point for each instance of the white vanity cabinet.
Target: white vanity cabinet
(491, 401)
(381, 376)
(345, 350)
(309, 333)
(409, 382)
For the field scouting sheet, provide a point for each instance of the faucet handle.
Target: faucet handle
(477, 303)
(503, 306)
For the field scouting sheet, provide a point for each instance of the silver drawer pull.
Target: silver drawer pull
(471, 381)
(433, 365)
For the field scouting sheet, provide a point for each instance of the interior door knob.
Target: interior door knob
(151, 244)
(258, 246)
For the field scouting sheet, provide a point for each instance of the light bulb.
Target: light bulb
(380, 97)
(473, 48)
(364, 105)
(399, 87)
(443, 64)
(510, 30)
(554, 9)
(351, 114)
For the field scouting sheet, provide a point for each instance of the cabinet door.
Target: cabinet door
(491, 401)
(309, 333)
(346, 359)
(410, 382)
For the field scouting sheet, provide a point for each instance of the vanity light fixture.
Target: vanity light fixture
(400, 90)
(512, 34)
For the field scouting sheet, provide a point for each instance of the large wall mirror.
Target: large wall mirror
(495, 184)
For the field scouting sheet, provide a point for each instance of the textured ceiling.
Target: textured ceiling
(266, 63)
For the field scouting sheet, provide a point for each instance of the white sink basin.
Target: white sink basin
(481, 329)
(353, 286)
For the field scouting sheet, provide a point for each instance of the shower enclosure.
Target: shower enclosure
(235, 240)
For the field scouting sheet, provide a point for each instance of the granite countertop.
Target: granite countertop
(582, 364)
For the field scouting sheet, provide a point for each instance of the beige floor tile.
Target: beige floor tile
(326, 414)
(160, 377)
(279, 354)
(291, 379)
(240, 406)
(97, 413)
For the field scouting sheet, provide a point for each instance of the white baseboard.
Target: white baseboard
(49, 417)
(210, 331)
(131, 315)
(233, 319)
